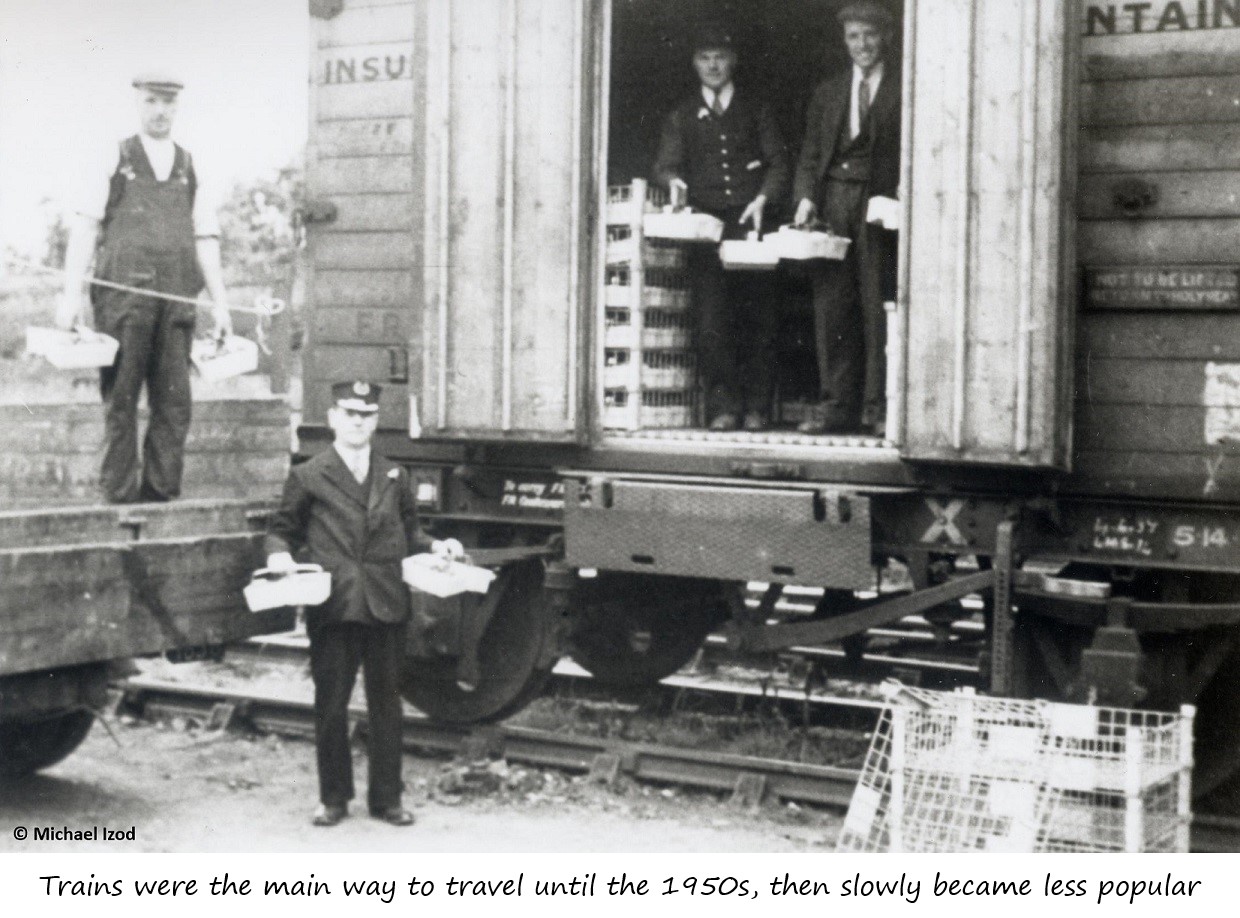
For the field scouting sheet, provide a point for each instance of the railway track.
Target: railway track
(748, 778)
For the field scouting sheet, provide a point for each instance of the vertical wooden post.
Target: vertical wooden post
(896, 764)
(1184, 790)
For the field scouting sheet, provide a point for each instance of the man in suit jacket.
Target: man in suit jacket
(851, 153)
(721, 149)
(352, 512)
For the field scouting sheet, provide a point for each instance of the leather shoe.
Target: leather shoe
(329, 814)
(826, 419)
(394, 816)
(874, 420)
(725, 421)
(754, 421)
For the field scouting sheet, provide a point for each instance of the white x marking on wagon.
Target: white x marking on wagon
(944, 525)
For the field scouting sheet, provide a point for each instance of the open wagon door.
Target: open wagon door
(507, 154)
(987, 260)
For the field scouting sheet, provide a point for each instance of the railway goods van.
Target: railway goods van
(1063, 349)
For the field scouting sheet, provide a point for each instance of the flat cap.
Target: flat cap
(712, 37)
(869, 11)
(356, 395)
(160, 80)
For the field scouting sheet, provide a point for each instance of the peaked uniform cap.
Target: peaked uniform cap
(870, 11)
(356, 395)
(161, 80)
(712, 37)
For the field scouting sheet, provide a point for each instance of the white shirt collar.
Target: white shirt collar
(725, 96)
(354, 458)
(161, 153)
(873, 80)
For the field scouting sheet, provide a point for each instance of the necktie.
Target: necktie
(716, 106)
(863, 102)
(358, 468)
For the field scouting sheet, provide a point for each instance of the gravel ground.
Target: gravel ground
(183, 789)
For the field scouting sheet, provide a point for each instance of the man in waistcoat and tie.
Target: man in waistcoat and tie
(149, 223)
(851, 153)
(352, 512)
(721, 150)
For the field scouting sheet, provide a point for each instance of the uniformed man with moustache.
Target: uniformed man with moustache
(722, 150)
(851, 153)
(352, 512)
(149, 222)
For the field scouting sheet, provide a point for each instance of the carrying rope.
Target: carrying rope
(265, 307)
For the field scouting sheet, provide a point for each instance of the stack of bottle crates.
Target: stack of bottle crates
(649, 362)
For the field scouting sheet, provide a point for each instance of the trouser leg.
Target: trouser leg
(756, 295)
(134, 327)
(383, 653)
(871, 260)
(168, 392)
(715, 341)
(334, 657)
(837, 336)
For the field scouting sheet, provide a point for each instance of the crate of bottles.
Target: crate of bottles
(661, 368)
(624, 249)
(667, 287)
(627, 409)
(626, 205)
(660, 328)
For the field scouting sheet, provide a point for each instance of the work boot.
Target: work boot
(329, 814)
(754, 421)
(394, 816)
(725, 421)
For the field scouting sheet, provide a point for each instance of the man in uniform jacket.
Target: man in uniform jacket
(148, 219)
(851, 153)
(721, 149)
(352, 512)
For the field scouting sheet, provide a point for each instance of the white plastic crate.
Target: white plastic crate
(661, 328)
(72, 350)
(803, 245)
(650, 408)
(223, 359)
(884, 211)
(622, 207)
(665, 287)
(662, 368)
(305, 585)
(443, 578)
(623, 249)
(959, 772)
(750, 254)
(683, 225)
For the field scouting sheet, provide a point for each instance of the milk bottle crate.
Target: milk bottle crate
(660, 328)
(624, 249)
(661, 368)
(624, 409)
(666, 287)
(625, 205)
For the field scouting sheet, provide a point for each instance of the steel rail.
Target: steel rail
(818, 784)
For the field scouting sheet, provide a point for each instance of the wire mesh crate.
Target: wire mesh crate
(959, 772)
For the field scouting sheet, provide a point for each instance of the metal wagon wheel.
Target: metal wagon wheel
(512, 658)
(634, 630)
(30, 745)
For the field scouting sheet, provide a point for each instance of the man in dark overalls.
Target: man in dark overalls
(153, 232)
